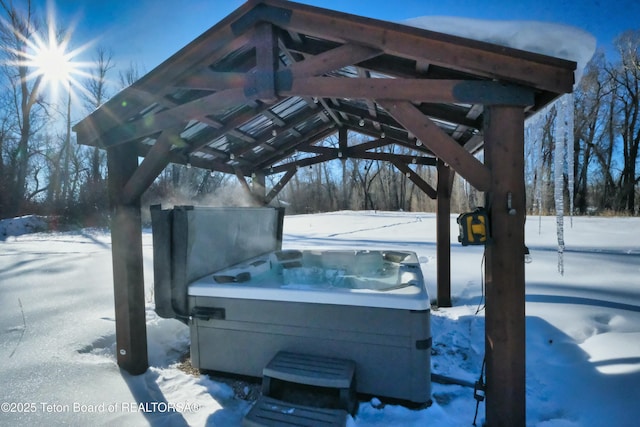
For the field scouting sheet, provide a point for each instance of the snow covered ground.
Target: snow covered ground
(57, 338)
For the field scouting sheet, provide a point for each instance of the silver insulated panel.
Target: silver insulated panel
(191, 242)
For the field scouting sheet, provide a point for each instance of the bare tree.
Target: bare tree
(96, 94)
(589, 130)
(626, 75)
(130, 75)
(16, 30)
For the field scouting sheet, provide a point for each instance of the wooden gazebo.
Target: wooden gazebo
(259, 93)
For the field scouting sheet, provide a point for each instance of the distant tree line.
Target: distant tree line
(44, 171)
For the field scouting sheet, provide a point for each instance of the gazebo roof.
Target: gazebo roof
(259, 92)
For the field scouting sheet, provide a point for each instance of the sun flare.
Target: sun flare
(51, 63)
(54, 64)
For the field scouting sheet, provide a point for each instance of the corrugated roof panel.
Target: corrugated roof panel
(256, 126)
(307, 125)
(193, 129)
(289, 107)
(220, 143)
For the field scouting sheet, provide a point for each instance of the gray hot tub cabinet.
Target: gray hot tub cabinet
(391, 347)
(239, 322)
(239, 327)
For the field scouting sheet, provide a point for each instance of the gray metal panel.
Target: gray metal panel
(190, 243)
(180, 261)
(386, 344)
(221, 237)
(161, 222)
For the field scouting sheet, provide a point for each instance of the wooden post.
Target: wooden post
(266, 42)
(343, 144)
(126, 253)
(443, 234)
(504, 271)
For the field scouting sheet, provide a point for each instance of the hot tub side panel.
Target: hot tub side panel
(391, 347)
(191, 242)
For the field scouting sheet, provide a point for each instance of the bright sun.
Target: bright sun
(51, 63)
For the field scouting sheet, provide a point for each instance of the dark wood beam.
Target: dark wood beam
(392, 136)
(351, 152)
(474, 144)
(263, 76)
(316, 149)
(371, 107)
(414, 90)
(307, 161)
(288, 148)
(181, 158)
(334, 59)
(444, 112)
(214, 44)
(389, 65)
(390, 157)
(479, 58)
(126, 254)
(440, 143)
(280, 184)
(343, 145)
(443, 234)
(211, 80)
(153, 123)
(414, 177)
(343, 141)
(371, 145)
(325, 62)
(505, 322)
(153, 164)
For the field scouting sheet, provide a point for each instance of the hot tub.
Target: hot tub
(368, 306)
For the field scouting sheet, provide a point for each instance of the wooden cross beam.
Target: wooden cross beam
(414, 90)
(280, 184)
(415, 178)
(441, 144)
(263, 76)
(153, 164)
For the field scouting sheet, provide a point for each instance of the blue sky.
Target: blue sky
(146, 32)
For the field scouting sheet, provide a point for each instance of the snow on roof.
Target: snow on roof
(551, 39)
